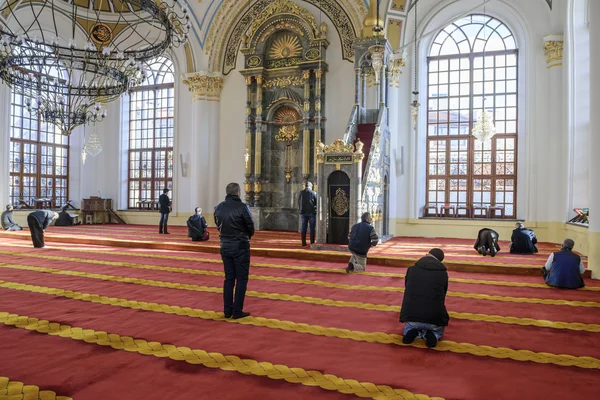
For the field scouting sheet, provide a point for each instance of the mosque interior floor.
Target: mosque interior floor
(95, 322)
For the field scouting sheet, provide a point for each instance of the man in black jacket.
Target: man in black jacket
(38, 221)
(65, 219)
(164, 204)
(487, 239)
(423, 307)
(197, 226)
(523, 240)
(361, 238)
(307, 206)
(234, 222)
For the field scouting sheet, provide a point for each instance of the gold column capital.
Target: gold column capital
(203, 85)
(553, 50)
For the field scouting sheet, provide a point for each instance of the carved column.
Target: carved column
(205, 89)
(364, 90)
(318, 136)
(382, 86)
(594, 147)
(357, 94)
(306, 132)
(248, 189)
(258, 143)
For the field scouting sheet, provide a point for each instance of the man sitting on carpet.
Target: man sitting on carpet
(362, 237)
(523, 240)
(38, 221)
(65, 219)
(197, 226)
(8, 221)
(564, 269)
(487, 239)
(423, 307)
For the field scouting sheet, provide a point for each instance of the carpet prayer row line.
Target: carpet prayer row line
(304, 319)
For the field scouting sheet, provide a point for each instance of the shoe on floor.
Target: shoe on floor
(227, 315)
(241, 315)
(430, 339)
(410, 336)
(349, 268)
(167, 233)
(493, 251)
(482, 250)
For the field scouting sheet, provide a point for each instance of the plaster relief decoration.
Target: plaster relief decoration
(284, 52)
(553, 50)
(399, 5)
(340, 204)
(202, 86)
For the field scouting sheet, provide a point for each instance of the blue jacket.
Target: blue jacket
(565, 270)
(362, 237)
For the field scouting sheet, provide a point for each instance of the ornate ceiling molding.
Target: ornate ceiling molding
(235, 16)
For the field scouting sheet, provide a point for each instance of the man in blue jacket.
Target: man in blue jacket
(362, 237)
(564, 268)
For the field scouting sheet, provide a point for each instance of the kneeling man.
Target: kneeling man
(197, 226)
(8, 221)
(487, 239)
(564, 268)
(362, 237)
(523, 240)
(65, 219)
(424, 304)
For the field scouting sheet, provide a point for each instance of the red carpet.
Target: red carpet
(399, 251)
(475, 360)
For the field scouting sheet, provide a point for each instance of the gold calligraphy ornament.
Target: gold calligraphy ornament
(340, 203)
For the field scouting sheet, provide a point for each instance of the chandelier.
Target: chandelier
(67, 56)
(377, 51)
(484, 128)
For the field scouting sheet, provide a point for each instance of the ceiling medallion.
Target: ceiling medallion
(101, 33)
(285, 47)
(253, 61)
(313, 54)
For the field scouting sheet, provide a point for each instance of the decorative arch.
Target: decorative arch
(222, 45)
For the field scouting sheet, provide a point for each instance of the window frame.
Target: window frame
(470, 176)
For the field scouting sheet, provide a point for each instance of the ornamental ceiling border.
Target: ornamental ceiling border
(237, 15)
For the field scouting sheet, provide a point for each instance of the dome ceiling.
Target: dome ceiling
(105, 5)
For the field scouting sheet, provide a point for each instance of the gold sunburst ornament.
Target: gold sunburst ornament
(285, 47)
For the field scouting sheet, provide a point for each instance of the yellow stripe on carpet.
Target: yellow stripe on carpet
(479, 296)
(13, 390)
(266, 265)
(212, 360)
(317, 330)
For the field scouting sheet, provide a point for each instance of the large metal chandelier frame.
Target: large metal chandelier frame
(68, 79)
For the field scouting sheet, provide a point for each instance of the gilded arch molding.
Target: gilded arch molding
(235, 16)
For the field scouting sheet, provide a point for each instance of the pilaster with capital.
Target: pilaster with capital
(594, 143)
(306, 131)
(553, 50)
(205, 90)
(248, 189)
(258, 143)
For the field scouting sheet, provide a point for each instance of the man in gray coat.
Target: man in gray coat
(8, 221)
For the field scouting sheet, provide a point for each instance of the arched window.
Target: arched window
(472, 66)
(151, 110)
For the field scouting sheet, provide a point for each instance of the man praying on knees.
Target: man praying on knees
(197, 226)
(38, 221)
(65, 219)
(424, 305)
(361, 238)
(487, 240)
(8, 221)
(564, 269)
(234, 222)
(523, 240)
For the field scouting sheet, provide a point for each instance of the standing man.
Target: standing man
(164, 204)
(38, 221)
(8, 221)
(424, 304)
(307, 206)
(234, 222)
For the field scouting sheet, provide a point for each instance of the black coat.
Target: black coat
(307, 202)
(164, 204)
(425, 295)
(523, 241)
(64, 219)
(43, 217)
(362, 237)
(196, 225)
(485, 237)
(234, 222)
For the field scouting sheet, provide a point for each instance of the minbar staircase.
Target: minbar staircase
(365, 134)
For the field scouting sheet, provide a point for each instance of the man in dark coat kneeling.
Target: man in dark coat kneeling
(487, 239)
(423, 307)
(197, 226)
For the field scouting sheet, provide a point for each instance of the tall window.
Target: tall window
(39, 157)
(151, 110)
(472, 67)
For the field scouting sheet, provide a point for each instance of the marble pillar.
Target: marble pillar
(594, 147)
